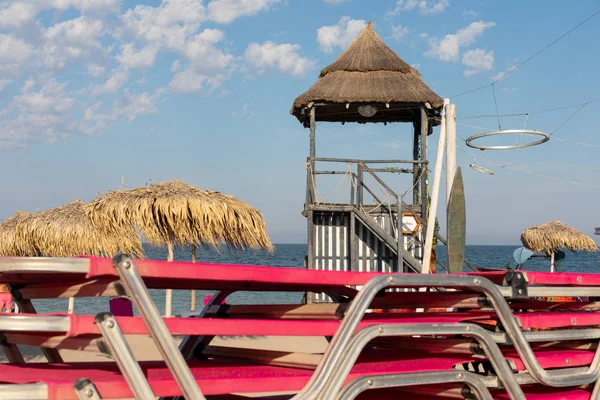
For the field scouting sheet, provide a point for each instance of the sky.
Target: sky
(92, 91)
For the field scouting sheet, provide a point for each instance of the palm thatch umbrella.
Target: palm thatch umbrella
(66, 231)
(367, 72)
(8, 232)
(173, 213)
(553, 236)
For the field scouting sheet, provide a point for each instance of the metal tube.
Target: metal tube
(364, 336)
(29, 391)
(361, 302)
(159, 332)
(359, 385)
(121, 352)
(44, 264)
(355, 160)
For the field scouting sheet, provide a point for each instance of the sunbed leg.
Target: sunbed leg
(11, 350)
(192, 345)
(85, 390)
(138, 292)
(120, 350)
(26, 307)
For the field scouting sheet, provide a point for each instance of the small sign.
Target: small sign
(410, 223)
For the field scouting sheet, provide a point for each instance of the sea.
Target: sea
(292, 255)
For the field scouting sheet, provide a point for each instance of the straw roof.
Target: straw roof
(555, 235)
(66, 231)
(8, 230)
(175, 212)
(367, 72)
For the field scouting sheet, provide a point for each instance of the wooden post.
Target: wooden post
(423, 167)
(416, 156)
(552, 262)
(169, 293)
(71, 306)
(193, 293)
(435, 191)
(312, 139)
(450, 148)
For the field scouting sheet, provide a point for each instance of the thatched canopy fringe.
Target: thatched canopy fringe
(175, 212)
(66, 231)
(555, 235)
(8, 233)
(367, 72)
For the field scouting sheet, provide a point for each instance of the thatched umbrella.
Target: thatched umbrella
(66, 231)
(367, 72)
(8, 231)
(173, 213)
(553, 236)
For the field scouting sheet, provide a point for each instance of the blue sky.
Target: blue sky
(93, 90)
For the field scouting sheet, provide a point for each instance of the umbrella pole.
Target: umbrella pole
(169, 294)
(552, 262)
(193, 293)
(71, 307)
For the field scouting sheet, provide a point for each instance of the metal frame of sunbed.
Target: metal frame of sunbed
(339, 348)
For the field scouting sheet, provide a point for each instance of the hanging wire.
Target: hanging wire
(568, 119)
(530, 58)
(496, 104)
(511, 167)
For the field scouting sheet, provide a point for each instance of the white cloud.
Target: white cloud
(131, 58)
(341, 34)
(477, 60)
(96, 70)
(169, 24)
(283, 57)
(423, 6)
(15, 14)
(206, 65)
(334, 1)
(190, 80)
(13, 50)
(415, 66)
(509, 89)
(501, 75)
(448, 48)
(227, 11)
(200, 50)
(114, 83)
(82, 31)
(399, 31)
(41, 116)
(75, 38)
(469, 13)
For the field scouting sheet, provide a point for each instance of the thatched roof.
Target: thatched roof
(8, 231)
(555, 235)
(368, 72)
(66, 231)
(175, 212)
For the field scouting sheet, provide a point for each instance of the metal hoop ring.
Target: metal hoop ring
(544, 139)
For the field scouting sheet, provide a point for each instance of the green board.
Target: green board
(457, 224)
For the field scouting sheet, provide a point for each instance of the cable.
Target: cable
(530, 58)
(496, 104)
(529, 172)
(529, 113)
(579, 143)
(568, 119)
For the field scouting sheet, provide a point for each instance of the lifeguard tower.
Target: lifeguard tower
(368, 83)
